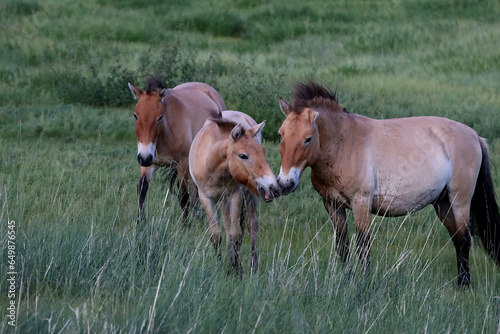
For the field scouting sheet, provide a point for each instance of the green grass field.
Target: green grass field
(68, 169)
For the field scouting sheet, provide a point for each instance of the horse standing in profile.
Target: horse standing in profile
(389, 167)
(166, 122)
(228, 164)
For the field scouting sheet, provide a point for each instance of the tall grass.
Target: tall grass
(85, 266)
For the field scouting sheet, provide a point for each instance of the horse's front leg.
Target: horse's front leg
(214, 229)
(231, 208)
(361, 210)
(142, 188)
(338, 217)
(252, 221)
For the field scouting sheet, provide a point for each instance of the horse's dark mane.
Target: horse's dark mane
(154, 85)
(315, 95)
(224, 123)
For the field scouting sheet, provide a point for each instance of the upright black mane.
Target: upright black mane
(154, 85)
(315, 95)
(224, 123)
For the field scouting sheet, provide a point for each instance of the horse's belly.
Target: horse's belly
(401, 202)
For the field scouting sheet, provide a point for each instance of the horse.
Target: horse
(227, 162)
(166, 122)
(389, 167)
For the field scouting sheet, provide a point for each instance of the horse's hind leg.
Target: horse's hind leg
(454, 212)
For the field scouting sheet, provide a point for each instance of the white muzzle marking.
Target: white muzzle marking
(146, 150)
(289, 181)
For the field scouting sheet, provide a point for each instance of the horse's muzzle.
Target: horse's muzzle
(145, 161)
(270, 193)
(287, 187)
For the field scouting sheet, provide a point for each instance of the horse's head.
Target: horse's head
(248, 165)
(299, 145)
(148, 114)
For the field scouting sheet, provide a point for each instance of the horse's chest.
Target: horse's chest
(331, 190)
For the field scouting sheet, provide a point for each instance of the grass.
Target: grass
(68, 171)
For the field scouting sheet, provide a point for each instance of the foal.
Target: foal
(228, 164)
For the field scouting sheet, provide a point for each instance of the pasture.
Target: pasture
(68, 167)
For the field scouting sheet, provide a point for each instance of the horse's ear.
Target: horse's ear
(285, 107)
(136, 91)
(254, 130)
(312, 115)
(237, 132)
(163, 93)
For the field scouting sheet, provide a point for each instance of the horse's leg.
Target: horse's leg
(252, 221)
(210, 208)
(142, 188)
(361, 210)
(183, 193)
(337, 215)
(193, 196)
(453, 211)
(230, 210)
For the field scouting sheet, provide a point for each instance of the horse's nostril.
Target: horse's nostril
(145, 161)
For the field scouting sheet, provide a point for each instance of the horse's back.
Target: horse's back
(426, 135)
(188, 106)
(195, 92)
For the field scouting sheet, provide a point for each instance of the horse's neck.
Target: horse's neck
(337, 134)
(168, 142)
(217, 158)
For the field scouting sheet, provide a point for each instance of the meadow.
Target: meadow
(68, 168)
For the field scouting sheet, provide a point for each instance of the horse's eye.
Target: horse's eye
(281, 138)
(160, 119)
(136, 117)
(243, 156)
(308, 140)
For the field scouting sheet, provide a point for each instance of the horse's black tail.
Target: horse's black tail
(484, 208)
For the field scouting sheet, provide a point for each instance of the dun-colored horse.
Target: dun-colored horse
(228, 164)
(391, 168)
(167, 120)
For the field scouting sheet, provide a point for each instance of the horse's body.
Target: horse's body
(390, 168)
(228, 164)
(167, 120)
